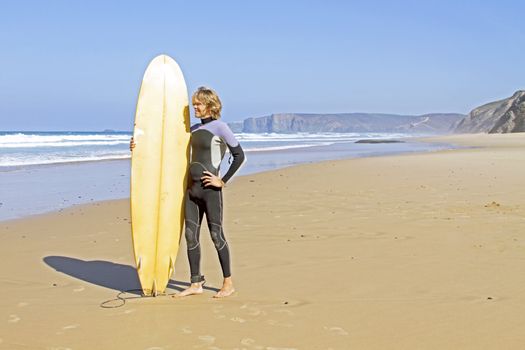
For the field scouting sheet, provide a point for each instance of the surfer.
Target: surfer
(209, 140)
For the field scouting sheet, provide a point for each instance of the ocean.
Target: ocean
(46, 171)
(21, 149)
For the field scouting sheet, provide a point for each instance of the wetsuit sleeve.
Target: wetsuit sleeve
(238, 159)
(225, 133)
(235, 149)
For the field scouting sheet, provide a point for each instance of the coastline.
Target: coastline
(39, 189)
(419, 250)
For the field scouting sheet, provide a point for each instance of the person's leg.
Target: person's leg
(213, 207)
(192, 222)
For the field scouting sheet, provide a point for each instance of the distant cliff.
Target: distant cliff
(350, 122)
(502, 116)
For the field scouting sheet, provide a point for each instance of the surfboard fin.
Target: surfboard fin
(172, 267)
(154, 291)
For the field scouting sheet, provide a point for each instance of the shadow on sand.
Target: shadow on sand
(119, 277)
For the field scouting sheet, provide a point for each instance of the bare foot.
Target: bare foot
(226, 290)
(195, 288)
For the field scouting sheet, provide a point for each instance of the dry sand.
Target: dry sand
(420, 251)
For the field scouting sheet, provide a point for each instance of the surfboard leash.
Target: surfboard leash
(122, 300)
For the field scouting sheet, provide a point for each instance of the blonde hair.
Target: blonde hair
(210, 99)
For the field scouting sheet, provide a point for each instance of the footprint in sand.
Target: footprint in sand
(208, 339)
(252, 311)
(186, 330)
(279, 324)
(13, 319)
(256, 312)
(79, 289)
(22, 304)
(247, 341)
(336, 330)
(288, 312)
(71, 326)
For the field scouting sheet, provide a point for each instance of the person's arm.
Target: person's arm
(235, 150)
(238, 159)
(227, 136)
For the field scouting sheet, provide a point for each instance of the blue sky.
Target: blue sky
(77, 65)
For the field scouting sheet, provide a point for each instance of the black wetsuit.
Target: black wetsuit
(208, 146)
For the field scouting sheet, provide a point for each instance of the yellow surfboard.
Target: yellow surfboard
(159, 166)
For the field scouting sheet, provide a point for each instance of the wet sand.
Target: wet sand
(417, 251)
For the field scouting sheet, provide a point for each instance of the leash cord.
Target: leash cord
(122, 300)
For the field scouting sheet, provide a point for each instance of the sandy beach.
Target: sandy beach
(414, 251)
